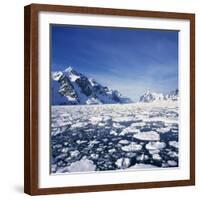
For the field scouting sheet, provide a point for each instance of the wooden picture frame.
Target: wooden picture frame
(31, 96)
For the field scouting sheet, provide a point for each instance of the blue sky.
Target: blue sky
(129, 60)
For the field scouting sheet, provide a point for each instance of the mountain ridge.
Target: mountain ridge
(153, 96)
(70, 87)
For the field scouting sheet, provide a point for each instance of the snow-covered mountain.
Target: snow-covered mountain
(152, 96)
(173, 95)
(70, 87)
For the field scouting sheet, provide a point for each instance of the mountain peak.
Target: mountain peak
(147, 92)
(69, 69)
(152, 96)
(76, 88)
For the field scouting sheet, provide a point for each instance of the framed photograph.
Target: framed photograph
(109, 99)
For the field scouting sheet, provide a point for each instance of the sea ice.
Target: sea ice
(156, 156)
(132, 147)
(109, 137)
(74, 153)
(123, 163)
(82, 165)
(172, 163)
(173, 144)
(79, 125)
(147, 136)
(53, 168)
(117, 125)
(124, 142)
(94, 156)
(155, 145)
(142, 157)
(81, 141)
(142, 166)
(173, 154)
(112, 132)
(138, 124)
(156, 151)
(163, 130)
(129, 129)
(64, 150)
(111, 150)
(123, 119)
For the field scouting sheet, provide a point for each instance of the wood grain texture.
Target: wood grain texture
(27, 163)
(31, 98)
(192, 98)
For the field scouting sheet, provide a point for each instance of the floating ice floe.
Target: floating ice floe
(57, 146)
(60, 122)
(89, 130)
(163, 130)
(129, 129)
(64, 150)
(81, 141)
(156, 151)
(82, 165)
(132, 147)
(173, 154)
(117, 125)
(60, 156)
(94, 156)
(142, 166)
(156, 156)
(172, 163)
(123, 119)
(112, 132)
(173, 144)
(111, 150)
(93, 142)
(142, 157)
(95, 119)
(74, 153)
(53, 168)
(79, 125)
(123, 142)
(123, 163)
(100, 149)
(174, 130)
(101, 124)
(131, 154)
(138, 124)
(161, 119)
(58, 130)
(155, 145)
(147, 136)
(107, 118)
